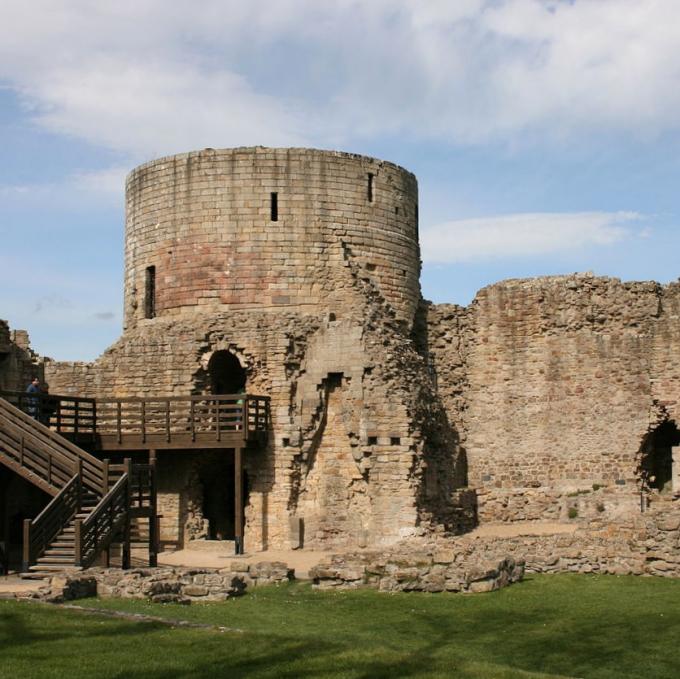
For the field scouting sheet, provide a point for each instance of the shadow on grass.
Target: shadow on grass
(588, 628)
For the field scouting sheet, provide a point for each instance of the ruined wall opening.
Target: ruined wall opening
(217, 482)
(656, 464)
(227, 375)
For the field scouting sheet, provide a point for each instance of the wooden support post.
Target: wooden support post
(105, 473)
(94, 421)
(127, 466)
(153, 517)
(78, 469)
(238, 500)
(26, 559)
(78, 542)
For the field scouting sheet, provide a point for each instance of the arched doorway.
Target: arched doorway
(227, 375)
(657, 456)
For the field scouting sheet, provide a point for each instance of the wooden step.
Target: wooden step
(54, 558)
(51, 568)
(59, 551)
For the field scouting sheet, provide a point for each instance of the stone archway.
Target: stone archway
(227, 375)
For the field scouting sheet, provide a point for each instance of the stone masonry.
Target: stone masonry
(394, 420)
(556, 387)
(304, 265)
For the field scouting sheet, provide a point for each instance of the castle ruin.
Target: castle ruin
(293, 274)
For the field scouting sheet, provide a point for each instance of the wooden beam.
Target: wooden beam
(238, 499)
(153, 512)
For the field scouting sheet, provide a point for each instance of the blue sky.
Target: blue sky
(545, 134)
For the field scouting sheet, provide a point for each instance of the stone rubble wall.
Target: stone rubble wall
(644, 545)
(553, 383)
(18, 362)
(409, 569)
(165, 584)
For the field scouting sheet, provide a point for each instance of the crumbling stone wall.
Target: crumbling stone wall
(318, 306)
(18, 362)
(553, 384)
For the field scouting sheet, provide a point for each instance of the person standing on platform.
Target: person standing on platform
(33, 401)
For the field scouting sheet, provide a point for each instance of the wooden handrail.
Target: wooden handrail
(207, 418)
(170, 418)
(98, 530)
(39, 533)
(30, 447)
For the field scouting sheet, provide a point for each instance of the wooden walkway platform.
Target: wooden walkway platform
(151, 423)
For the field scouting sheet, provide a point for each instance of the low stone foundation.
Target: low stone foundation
(429, 570)
(646, 545)
(162, 585)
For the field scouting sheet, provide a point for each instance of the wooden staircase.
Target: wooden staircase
(88, 509)
(61, 552)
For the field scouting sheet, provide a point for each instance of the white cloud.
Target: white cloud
(105, 185)
(147, 78)
(524, 235)
(110, 180)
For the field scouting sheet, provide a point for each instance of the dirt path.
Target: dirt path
(13, 584)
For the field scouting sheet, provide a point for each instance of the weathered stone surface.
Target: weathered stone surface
(554, 385)
(320, 307)
(394, 421)
(405, 569)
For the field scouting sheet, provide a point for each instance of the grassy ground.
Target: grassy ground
(548, 626)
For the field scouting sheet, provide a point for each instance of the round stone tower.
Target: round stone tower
(267, 229)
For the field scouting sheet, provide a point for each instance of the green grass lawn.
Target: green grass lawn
(547, 626)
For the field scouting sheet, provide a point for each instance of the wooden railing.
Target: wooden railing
(103, 524)
(164, 420)
(41, 531)
(74, 416)
(157, 421)
(142, 482)
(31, 449)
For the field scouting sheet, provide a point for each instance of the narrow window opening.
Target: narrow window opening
(150, 292)
(372, 441)
(395, 440)
(369, 187)
(285, 442)
(274, 207)
(396, 210)
(370, 266)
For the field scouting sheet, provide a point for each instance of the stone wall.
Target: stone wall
(360, 451)
(204, 221)
(553, 385)
(642, 544)
(163, 584)
(409, 569)
(18, 362)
